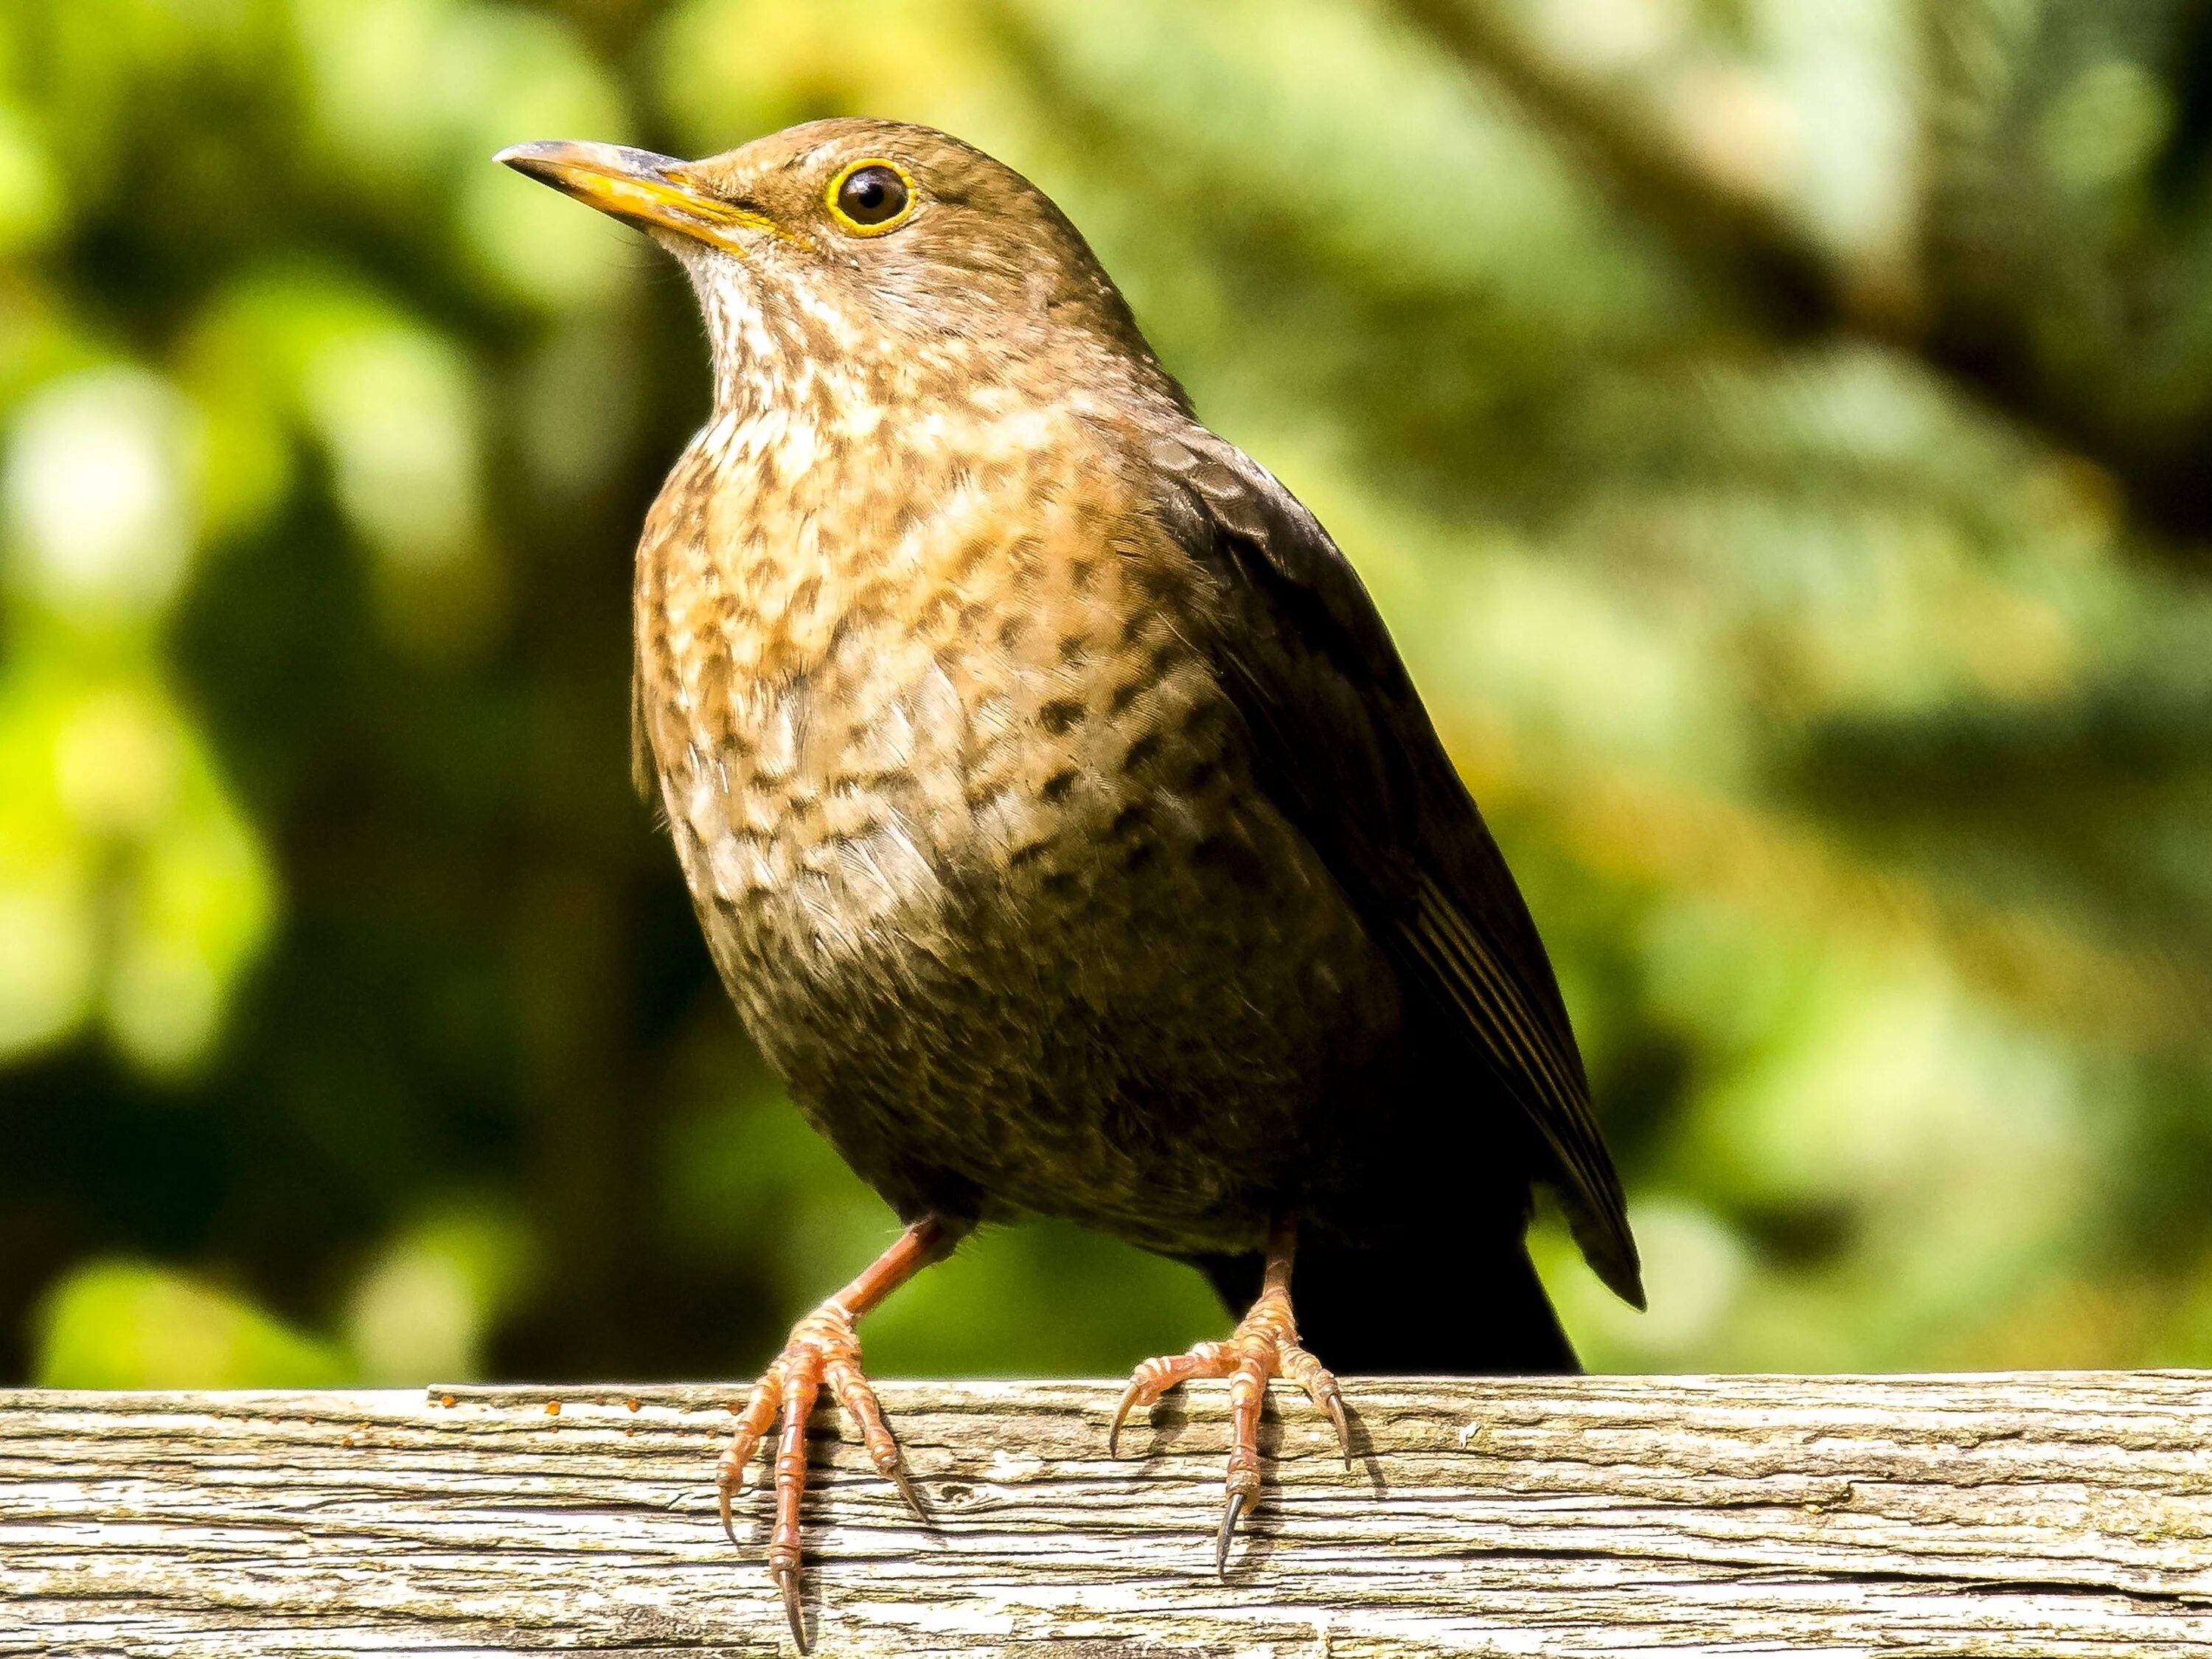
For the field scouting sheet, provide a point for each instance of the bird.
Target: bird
(1059, 813)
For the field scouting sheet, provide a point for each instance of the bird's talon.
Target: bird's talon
(900, 1478)
(786, 1582)
(822, 1350)
(1229, 1514)
(1321, 1388)
(1264, 1346)
(1120, 1416)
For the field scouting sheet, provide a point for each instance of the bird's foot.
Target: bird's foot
(1264, 1345)
(822, 1349)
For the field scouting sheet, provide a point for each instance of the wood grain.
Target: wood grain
(2041, 1515)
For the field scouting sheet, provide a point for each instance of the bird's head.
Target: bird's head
(864, 250)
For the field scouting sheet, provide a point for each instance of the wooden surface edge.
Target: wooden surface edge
(2053, 1513)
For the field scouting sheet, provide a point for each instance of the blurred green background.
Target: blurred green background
(1780, 436)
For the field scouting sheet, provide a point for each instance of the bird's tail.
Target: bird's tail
(1439, 1302)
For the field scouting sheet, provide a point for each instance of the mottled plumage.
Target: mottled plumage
(973, 827)
(1058, 811)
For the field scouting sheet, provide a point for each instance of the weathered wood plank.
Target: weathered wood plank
(2046, 1515)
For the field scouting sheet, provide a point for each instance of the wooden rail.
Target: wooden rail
(2033, 1514)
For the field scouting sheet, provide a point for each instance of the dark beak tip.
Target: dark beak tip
(523, 158)
(542, 156)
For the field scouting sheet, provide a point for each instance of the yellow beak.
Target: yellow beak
(636, 185)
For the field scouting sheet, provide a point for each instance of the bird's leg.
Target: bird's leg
(822, 1349)
(1264, 1345)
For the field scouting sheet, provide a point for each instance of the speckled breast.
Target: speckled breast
(970, 826)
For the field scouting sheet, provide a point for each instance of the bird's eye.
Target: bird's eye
(871, 198)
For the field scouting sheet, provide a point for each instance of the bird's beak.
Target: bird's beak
(653, 190)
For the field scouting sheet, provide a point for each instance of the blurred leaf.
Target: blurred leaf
(120, 1324)
(31, 205)
(101, 492)
(422, 1311)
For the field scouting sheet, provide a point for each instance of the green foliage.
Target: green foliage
(1776, 434)
(125, 1325)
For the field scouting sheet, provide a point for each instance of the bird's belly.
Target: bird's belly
(1022, 975)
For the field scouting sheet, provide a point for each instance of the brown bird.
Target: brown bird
(1060, 815)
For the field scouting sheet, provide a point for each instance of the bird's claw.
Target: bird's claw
(1234, 1508)
(900, 1478)
(1139, 1389)
(1320, 1386)
(786, 1584)
(822, 1350)
(1264, 1345)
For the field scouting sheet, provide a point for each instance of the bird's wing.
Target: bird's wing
(1348, 753)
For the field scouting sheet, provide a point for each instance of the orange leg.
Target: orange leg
(1264, 1345)
(822, 1349)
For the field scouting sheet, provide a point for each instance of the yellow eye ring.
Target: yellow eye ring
(867, 189)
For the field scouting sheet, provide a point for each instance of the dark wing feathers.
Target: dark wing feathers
(1350, 755)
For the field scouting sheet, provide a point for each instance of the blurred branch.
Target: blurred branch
(1738, 234)
(1729, 226)
(1636, 827)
